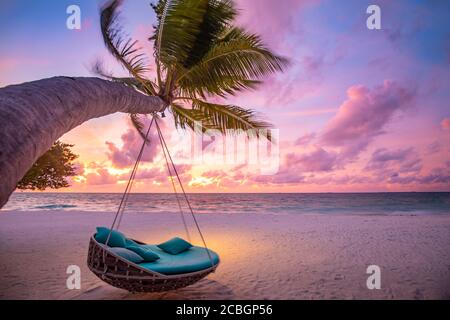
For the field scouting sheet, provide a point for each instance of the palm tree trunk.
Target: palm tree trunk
(34, 115)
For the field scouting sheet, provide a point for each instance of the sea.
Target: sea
(408, 203)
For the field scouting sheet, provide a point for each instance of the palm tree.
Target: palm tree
(199, 54)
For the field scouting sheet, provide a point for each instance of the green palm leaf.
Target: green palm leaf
(189, 118)
(124, 49)
(140, 85)
(235, 62)
(225, 118)
(186, 29)
(178, 25)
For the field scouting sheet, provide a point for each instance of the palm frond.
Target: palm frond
(228, 119)
(176, 29)
(230, 116)
(139, 126)
(234, 62)
(98, 69)
(216, 19)
(124, 49)
(189, 118)
(186, 29)
(198, 87)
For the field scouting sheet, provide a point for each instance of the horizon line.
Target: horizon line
(330, 192)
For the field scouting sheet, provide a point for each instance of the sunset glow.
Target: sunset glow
(351, 117)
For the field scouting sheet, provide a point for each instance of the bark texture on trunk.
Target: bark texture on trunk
(34, 115)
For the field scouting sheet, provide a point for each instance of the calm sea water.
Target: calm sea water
(292, 203)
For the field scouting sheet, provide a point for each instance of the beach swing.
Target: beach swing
(170, 271)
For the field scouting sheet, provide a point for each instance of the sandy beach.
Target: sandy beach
(263, 256)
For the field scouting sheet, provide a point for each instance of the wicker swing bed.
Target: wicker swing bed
(122, 273)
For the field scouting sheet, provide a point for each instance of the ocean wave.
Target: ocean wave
(56, 206)
(345, 204)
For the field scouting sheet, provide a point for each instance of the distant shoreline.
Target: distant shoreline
(359, 192)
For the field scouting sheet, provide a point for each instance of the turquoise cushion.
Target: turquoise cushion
(117, 239)
(147, 254)
(129, 242)
(127, 254)
(192, 260)
(175, 245)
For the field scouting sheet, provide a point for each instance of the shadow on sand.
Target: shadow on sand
(204, 289)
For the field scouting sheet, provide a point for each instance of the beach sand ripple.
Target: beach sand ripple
(263, 256)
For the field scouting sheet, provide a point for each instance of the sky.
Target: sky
(358, 110)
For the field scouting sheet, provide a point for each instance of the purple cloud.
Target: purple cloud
(100, 177)
(305, 139)
(438, 176)
(153, 173)
(363, 116)
(272, 19)
(434, 147)
(385, 162)
(317, 160)
(132, 142)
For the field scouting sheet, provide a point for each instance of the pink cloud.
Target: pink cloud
(132, 142)
(145, 175)
(154, 173)
(271, 19)
(359, 120)
(437, 176)
(305, 139)
(159, 174)
(364, 115)
(214, 174)
(434, 147)
(385, 161)
(317, 160)
(79, 168)
(401, 167)
(445, 124)
(100, 177)
(226, 178)
(283, 177)
(118, 158)
(182, 169)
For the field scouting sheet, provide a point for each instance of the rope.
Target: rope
(163, 142)
(174, 189)
(130, 181)
(126, 200)
(133, 176)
